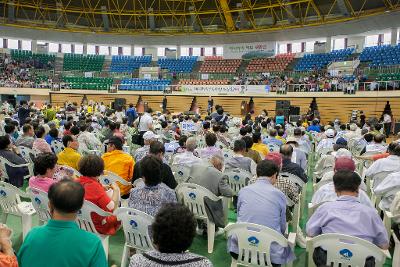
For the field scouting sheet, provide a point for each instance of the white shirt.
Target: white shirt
(186, 158)
(387, 118)
(327, 193)
(145, 122)
(325, 143)
(389, 164)
(388, 189)
(380, 148)
(328, 177)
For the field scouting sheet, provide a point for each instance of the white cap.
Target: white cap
(149, 135)
(342, 152)
(330, 133)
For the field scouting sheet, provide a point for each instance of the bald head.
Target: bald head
(217, 162)
(286, 151)
(191, 144)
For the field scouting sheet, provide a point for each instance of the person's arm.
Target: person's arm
(313, 227)
(169, 178)
(223, 187)
(253, 167)
(115, 196)
(381, 237)
(282, 204)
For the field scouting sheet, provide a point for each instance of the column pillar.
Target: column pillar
(178, 51)
(34, 46)
(132, 50)
(393, 40)
(85, 48)
(328, 44)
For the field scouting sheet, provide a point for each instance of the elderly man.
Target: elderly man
(327, 191)
(303, 140)
(377, 146)
(87, 140)
(328, 142)
(120, 163)
(261, 203)
(187, 157)
(289, 166)
(239, 161)
(148, 137)
(345, 215)
(70, 246)
(27, 137)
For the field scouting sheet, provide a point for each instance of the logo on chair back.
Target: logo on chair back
(346, 254)
(236, 177)
(3, 193)
(192, 195)
(253, 241)
(133, 224)
(106, 181)
(180, 173)
(37, 200)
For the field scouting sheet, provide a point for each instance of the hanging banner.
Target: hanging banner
(232, 51)
(224, 89)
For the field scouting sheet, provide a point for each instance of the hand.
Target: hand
(5, 232)
(114, 187)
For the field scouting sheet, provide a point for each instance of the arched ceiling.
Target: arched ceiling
(176, 17)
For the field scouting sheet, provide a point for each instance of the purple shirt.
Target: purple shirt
(348, 216)
(209, 152)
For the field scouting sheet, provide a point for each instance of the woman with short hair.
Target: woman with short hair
(44, 168)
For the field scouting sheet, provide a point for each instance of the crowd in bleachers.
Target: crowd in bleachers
(156, 176)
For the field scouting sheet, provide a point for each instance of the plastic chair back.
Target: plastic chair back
(181, 172)
(27, 153)
(40, 202)
(10, 198)
(57, 146)
(109, 177)
(227, 154)
(192, 196)
(273, 147)
(136, 225)
(254, 243)
(84, 219)
(238, 178)
(345, 250)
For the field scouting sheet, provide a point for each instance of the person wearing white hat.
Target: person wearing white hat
(148, 137)
(328, 142)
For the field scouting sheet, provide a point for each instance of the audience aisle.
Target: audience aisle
(220, 257)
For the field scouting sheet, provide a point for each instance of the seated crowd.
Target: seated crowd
(73, 153)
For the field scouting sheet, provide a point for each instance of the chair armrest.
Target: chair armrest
(292, 240)
(386, 253)
(17, 165)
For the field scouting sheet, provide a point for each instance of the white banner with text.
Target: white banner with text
(225, 89)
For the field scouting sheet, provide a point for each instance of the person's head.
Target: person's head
(91, 166)
(369, 137)
(220, 111)
(74, 130)
(239, 146)
(297, 132)
(249, 142)
(281, 132)
(82, 127)
(40, 132)
(5, 142)
(286, 151)
(211, 139)
(182, 140)
(181, 225)
(70, 141)
(215, 127)
(206, 125)
(379, 138)
(157, 149)
(346, 183)
(65, 199)
(150, 167)
(243, 131)
(394, 149)
(256, 137)
(27, 129)
(267, 168)
(9, 128)
(344, 163)
(217, 162)
(191, 144)
(149, 137)
(273, 133)
(53, 132)
(114, 143)
(378, 127)
(343, 127)
(330, 133)
(275, 157)
(45, 164)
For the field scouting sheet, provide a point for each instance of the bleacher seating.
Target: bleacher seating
(182, 64)
(320, 61)
(83, 63)
(129, 63)
(22, 55)
(277, 64)
(388, 77)
(134, 84)
(220, 65)
(384, 55)
(89, 83)
(203, 82)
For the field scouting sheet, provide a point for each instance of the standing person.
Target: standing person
(70, 246)
(387, 122)
(131, 114)
(210, 105)
(144, 123)
(164, 104)
(362, 118)
(23, 112)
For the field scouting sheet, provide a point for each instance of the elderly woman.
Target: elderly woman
(44, 168)
(40, 145)
(211, 149)
(173, 230)
(91, 167)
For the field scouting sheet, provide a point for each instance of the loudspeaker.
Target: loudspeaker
(294, 110)
(119, 103)
(282, 104)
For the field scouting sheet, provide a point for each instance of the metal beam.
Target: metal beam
(229, 23)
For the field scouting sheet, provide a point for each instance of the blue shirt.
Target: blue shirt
(49, 139)
(280, 120)
(348, 216)
(261, 203)
(61, 244)
(131, 114)
(314, 128)
(272, 140)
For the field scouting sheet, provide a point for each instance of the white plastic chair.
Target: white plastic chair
(181, 172)
(5, 162)
(56, 146)
(227, 153)
(136, 225)
(26, 153)
(74, 172)
(10, 203)
(238, 178)
(300, 183)
(192, 196)
(388, 218)
(40, 202)
(254, 243)
(84, 220)
(273, 147)
(346, 250)
(109, 177)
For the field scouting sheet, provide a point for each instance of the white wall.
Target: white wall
(357, 41)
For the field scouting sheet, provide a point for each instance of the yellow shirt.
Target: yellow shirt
(69, 157)
(261, 148)
(283, 140)
(121, 164)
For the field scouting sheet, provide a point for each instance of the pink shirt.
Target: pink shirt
(41, 183)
